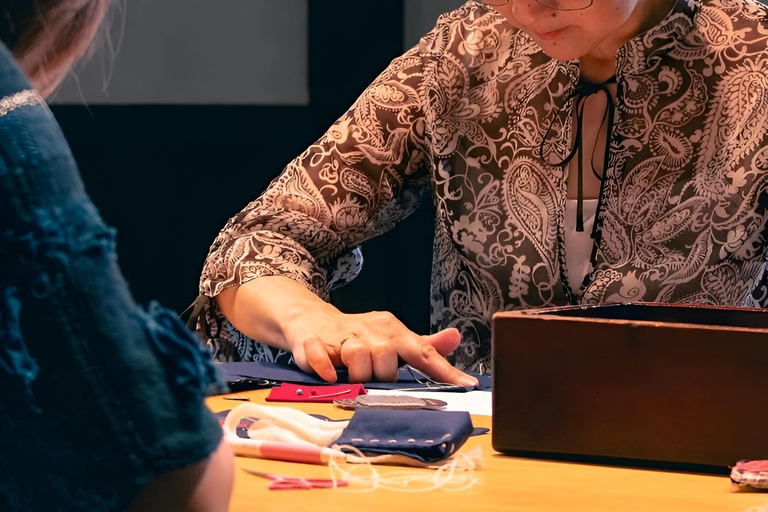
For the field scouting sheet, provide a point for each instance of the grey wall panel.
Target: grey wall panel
(421, 15)
(202, 52)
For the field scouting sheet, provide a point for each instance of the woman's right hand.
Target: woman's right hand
(370, 346)
(284, 314)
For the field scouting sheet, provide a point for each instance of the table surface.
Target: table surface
(506, 483)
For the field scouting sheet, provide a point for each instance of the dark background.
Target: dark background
(169, 177)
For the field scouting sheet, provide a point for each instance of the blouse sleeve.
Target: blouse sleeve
(366, 173)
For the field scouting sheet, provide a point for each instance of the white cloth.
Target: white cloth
(578, 245)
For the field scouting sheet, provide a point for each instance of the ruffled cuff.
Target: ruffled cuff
(193, 367)
(260, 254)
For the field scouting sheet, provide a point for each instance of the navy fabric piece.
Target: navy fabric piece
(97, 395)
(427, 436)
(238, 372)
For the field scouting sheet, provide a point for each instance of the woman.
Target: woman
(577, 152)
(101, 402)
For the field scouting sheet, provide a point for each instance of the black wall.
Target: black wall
(169, 177)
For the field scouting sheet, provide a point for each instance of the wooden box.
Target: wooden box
(644, 384)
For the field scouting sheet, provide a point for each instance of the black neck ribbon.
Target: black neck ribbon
(580, 95)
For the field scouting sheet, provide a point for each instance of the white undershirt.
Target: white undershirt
(578, 245)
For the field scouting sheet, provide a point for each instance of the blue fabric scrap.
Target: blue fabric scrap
(240, 371)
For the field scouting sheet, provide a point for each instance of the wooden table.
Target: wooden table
(506, 483)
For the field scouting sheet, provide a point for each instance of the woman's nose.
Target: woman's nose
(528, 11)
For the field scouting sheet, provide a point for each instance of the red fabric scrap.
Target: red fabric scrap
(287, 392)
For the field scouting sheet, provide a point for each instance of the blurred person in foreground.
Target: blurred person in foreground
(101, 401)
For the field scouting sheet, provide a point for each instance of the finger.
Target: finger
(383, 360)
(420, 354)
(356, 356)
(445, 341)
(317, 357)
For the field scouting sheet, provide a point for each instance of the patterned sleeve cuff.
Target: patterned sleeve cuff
(260, 254)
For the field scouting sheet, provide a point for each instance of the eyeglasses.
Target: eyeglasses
(555, 5)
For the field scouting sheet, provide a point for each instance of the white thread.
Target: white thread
(757, 509)
(455, 474)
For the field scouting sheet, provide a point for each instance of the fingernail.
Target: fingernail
(468, 382)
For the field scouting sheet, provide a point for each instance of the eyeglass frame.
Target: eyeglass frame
(542, 4)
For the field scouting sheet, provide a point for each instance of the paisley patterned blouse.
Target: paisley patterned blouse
(684, 202)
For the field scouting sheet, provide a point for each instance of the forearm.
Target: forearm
(267, 308)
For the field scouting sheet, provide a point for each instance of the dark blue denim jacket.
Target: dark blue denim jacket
(97, 395)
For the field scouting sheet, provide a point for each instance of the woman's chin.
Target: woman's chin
(560, 50)
(563, 44)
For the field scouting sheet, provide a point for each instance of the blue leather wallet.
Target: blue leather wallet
(427, 436)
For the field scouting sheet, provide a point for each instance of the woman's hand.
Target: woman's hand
(370, 345)
(284, 314)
